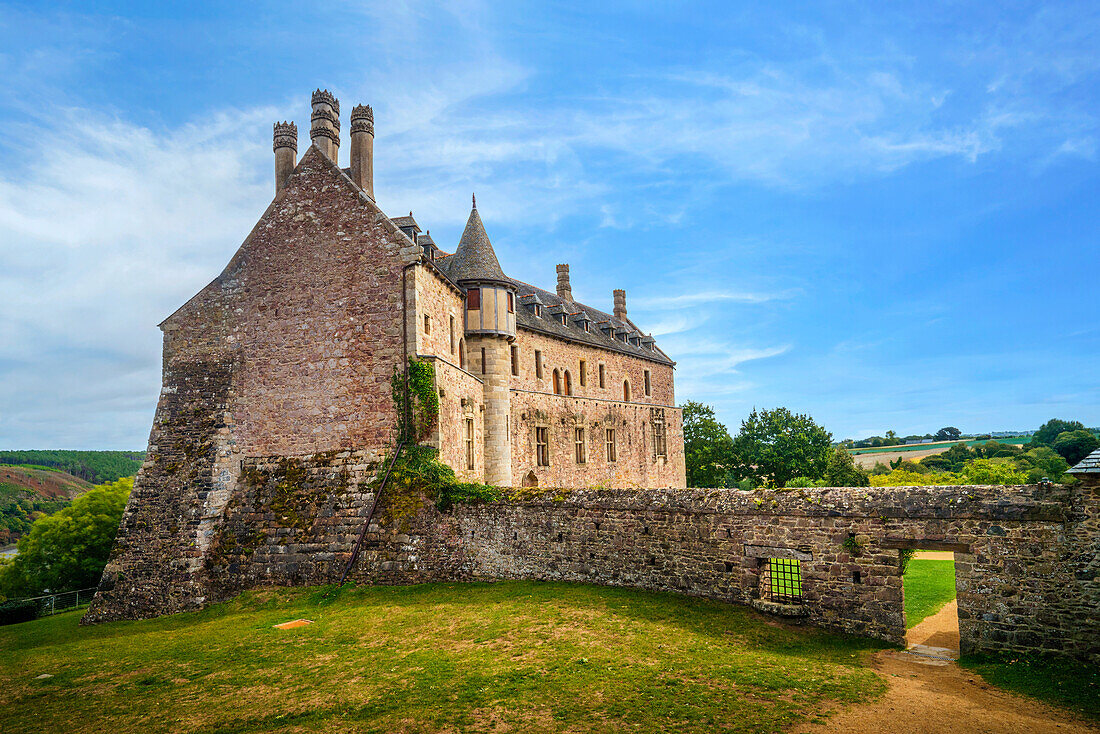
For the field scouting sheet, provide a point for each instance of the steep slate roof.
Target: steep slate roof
(474, 259)
(1088, 465)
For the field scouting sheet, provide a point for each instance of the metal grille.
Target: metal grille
(781, 581)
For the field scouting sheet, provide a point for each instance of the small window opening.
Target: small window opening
(648, 386)
(602, 385)
(452, 335)
(473, 299)
(511, 302)
(729, 567)
(583, 373)
(578, 441)
(781, 581)
(462, 353)
(626, 391)
(559, 537)
(538, 364)
(645, 530)
(483, 367)
(515, 360)
(568, 383)
(427, 324)
(542, 446)
(597, 526)
(470, 443)
(611, 454)
(856, 577)
(557, 382)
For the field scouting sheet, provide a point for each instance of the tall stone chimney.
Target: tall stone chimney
(285, 146)
(620, 303)
(362, 148)
(324, 129)
(564, 290)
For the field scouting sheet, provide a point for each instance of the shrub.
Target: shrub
(18, 610)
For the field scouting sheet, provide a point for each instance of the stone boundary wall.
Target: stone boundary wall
(1027, 558)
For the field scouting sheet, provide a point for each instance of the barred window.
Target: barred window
(611, 455)
(578, 441)
(781, 580)
(542, 446)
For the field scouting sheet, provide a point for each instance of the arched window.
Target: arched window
(568, 384)
(557, 382)
(462, 353)
(626, 390)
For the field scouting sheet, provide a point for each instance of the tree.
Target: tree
(841, 471)
(989, 471)
(708, 447)
(1075, 445)
(68, 549)
(949, 433)
(1052, 429)
(777, 445)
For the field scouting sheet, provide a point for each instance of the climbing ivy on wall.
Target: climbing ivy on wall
(418, 409)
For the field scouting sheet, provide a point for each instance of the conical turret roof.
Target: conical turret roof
(475, 259)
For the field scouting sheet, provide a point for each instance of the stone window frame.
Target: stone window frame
(555, 378)
(566, 383)
(542, 445)
(462, 354)
(514, 353)
(582, 373)
(452, 317)
(611, 449)
(538, 363)
(580, 451)
(483, 369)
(626, 390)
(427, 325)
(603, 375)
(660, 434)
(469, 443)
(648, 384)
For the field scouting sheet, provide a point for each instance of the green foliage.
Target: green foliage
(1050, 430)
(14, 611)
(928, 585)
(805, 483)
(708, 447)
(841, 471)
(419, 469)
(1041, 462)
(852, 545)
(775, 446)
(990, 471)
(68, 550)
(415, 418)
(904, 556)
(902, 478)
(1075, 445)
(515, 656)
(948, 433)
(93, 466)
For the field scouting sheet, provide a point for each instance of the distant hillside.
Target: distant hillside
(96, 467)
(27, 493)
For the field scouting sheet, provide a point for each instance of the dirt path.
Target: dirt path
(930, 694)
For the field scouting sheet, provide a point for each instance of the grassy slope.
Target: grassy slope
(1070, 684)
(94, 466)
(928, 586)
(41, 481)
(522, 655)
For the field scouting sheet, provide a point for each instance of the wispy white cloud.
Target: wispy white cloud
(693, 300)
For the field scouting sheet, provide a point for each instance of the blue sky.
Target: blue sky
(883, 215)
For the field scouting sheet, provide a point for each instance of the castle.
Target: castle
(277, 403)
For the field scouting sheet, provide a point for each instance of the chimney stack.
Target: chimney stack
(285, 145)
(362, 148)
(324, 129)
(620, 303)
(564, 290)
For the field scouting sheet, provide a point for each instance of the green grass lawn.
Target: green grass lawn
(516, 656)
(1075, 685)
(928, 586)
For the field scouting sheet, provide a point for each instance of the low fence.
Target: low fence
(62, 601)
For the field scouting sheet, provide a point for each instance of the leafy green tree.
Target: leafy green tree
(989, 471)
(948, 433)
(708, 447)
(841, 471)
(68, 549)
(776, 445)
(1050, 430)
(1075, 445)
(1042, 461)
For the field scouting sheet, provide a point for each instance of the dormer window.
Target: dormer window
(538, 311)
(473, 299)
(564, 320)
